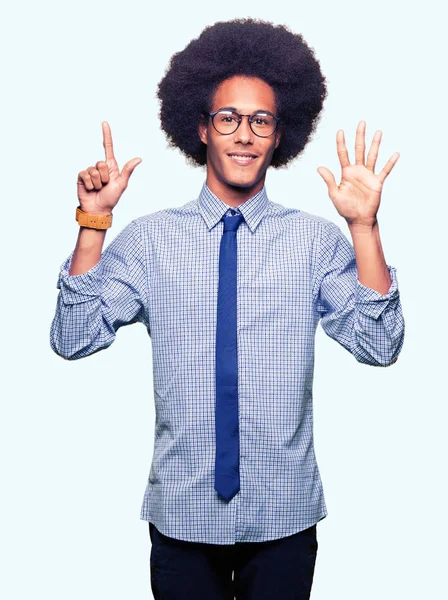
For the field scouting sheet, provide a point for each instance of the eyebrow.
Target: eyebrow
(259, 110)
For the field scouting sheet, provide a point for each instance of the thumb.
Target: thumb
(128, 169)
(328, 177)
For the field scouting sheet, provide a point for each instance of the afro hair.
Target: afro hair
(252, 48)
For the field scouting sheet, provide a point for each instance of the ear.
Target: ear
(203, 129)
(278, 137)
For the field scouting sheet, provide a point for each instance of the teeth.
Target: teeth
(242, 157)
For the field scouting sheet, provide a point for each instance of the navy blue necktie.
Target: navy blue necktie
(227, 472)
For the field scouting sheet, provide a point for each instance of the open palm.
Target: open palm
(357, 197)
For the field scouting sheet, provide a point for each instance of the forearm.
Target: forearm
(370, 262)
(87, 250)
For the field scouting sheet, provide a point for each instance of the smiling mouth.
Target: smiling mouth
(242, 159)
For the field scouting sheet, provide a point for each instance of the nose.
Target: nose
(244, 133)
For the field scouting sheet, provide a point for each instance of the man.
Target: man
(231, 287)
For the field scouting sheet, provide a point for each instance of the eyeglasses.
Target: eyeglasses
(262, 123)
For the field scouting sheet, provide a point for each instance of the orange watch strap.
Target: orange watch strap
(93, 221)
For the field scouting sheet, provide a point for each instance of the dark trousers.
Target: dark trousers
(280, 569)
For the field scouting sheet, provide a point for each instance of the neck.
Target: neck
(231, 194)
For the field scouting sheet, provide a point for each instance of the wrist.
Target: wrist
(363, 227)
(93, 220)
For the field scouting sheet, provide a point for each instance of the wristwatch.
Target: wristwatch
(93, 221)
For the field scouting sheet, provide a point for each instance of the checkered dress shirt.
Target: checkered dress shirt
(295, 269)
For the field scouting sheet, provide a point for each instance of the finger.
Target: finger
(95, 177)
(107, 141)
(103, 170)
(373, 152)
(388, 166)
(128, 169)
(84, 179)
(328, 177)
(360, 144)
(342, 149)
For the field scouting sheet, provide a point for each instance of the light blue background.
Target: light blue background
(77, 437)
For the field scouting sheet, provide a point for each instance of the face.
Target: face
(231, 178)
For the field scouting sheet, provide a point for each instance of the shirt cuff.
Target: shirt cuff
(79, 288)
(370, 301)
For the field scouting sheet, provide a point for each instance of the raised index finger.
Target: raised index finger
(107, 141)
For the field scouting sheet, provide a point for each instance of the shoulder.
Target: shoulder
(302, 218)
(167, 214)
(162, 219)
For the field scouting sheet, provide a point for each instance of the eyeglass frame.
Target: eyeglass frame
(240, 118)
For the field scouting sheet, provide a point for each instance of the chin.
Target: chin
(242, 182)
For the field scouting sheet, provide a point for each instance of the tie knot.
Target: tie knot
(231, 223)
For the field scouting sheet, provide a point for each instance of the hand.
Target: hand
(100, 187)
(357, 197)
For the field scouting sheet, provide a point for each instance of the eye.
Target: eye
(261, 120)
(227, 117)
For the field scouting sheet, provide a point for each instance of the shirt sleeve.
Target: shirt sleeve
(92, 306)
(368, 324)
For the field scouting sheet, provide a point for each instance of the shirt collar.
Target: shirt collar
(213, 209)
